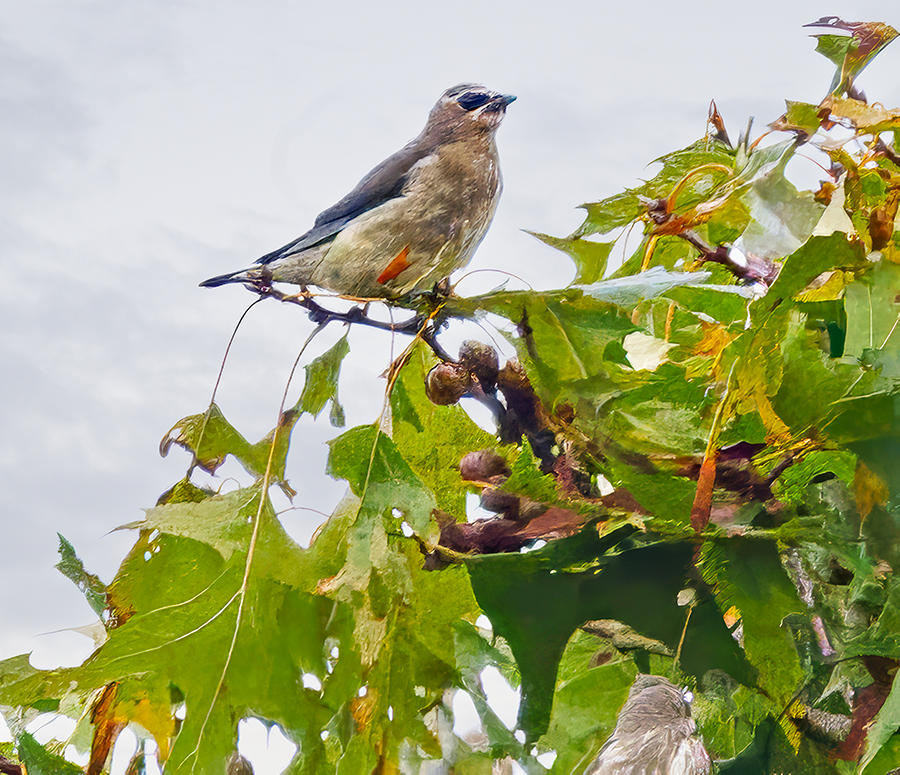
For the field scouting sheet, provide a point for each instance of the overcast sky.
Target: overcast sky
(147, 146)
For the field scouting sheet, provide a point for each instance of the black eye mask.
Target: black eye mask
(471, 100)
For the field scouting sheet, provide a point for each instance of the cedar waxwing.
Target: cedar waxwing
(414, 219)
(654, 734)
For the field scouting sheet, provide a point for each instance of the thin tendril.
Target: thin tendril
(212, 398)
(495, 271)
(251, 550)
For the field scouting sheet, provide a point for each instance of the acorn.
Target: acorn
(881, 228)
(481, 360)
(446, 383)
(482, 466)
(500, 502)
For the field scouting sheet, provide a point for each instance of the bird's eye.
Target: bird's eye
(472, 99)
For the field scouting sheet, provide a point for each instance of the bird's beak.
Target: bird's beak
(507, 98)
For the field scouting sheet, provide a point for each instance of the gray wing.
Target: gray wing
(382, 184)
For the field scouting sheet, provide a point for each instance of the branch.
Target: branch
(888, 152)
(426, 328)
(744, 266)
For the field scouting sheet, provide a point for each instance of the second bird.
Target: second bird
(414, 219)
(654, 734)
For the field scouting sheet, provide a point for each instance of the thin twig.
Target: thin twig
(744, 266)
(322, 316)
(687, 621)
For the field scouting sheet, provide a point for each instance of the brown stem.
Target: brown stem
(416, 325)
(744, 266)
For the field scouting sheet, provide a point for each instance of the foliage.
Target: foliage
(707, 455)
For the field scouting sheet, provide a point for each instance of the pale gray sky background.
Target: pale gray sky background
(147, 146)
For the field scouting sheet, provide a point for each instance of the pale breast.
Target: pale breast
(421, 237)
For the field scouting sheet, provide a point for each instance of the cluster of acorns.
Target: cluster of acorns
(475, 373)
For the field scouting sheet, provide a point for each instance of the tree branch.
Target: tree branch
(424, 327)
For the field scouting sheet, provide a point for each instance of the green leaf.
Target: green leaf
(802, 115)
(628, 292)
(527, 480)
(882, 638)
(321, 385)
(748, 576)
(224, 522)
(590, 257)
(608, 214)
(176, 601)
(584, 713)
(473, 654)
(873, 320)
(781, 217)
(887, 759)
(724, 303)
(666, 496)
(433, 439)
(814, 386)
(815, 256)
(184, 491)
(791, 485)
(883, 726)
(663, 413)
(537, 600)
(836, 47)
(378, 474)
(853, 53)
(71, 566)
(211, 438)
(40, 761)
(621, 209)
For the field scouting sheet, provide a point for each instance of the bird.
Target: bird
(410, 222)
(654, 734)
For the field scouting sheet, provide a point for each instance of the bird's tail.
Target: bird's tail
(224, 279)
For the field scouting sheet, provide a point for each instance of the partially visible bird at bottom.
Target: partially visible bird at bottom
(654, 734)
(413, 220)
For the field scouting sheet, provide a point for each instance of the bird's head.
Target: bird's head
(653, 700)
(468, 109)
